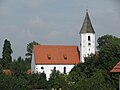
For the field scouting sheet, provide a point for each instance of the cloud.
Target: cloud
(36, 22)
(3, 11)
(26, 33)
(41, 24)
(33, 3)
(53, 35)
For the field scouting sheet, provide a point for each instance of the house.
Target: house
(64, 57)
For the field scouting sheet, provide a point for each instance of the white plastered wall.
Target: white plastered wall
(33, 64)
(86, 49)
(48, 69)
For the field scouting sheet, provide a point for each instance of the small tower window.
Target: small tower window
(89, 44)
(88, 38)
(64, 70)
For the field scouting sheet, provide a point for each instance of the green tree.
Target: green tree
(14, 83)
(30, 50)
(94, 82)
(38, 81)
(58, 80)
(19, 67)
(105, 40)
(1, 62)
(6, 54)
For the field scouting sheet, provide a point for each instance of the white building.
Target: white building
(61, 57)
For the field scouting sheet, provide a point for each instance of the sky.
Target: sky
(54, 22)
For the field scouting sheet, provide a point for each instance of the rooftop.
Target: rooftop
(56, 54)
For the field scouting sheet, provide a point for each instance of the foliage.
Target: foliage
(106, 39)
(20, 80)
(57, 81)
(13, 83)
(30, 49)
(19, 66)
(6, 54)
(38, 81)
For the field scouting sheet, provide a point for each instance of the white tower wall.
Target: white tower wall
(87, 45)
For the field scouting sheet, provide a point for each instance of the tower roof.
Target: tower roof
(87, 26)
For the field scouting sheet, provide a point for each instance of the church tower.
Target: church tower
(87, 38)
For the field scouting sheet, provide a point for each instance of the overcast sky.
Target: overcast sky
(54, 21)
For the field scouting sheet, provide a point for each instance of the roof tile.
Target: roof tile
(116, 68)
(56, 54)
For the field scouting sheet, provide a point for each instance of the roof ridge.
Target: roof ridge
(58, 45)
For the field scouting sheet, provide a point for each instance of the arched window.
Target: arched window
(88, 38)
(64, 70)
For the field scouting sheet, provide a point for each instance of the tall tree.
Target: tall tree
(105, 40)
(30, 49)
(6, 54)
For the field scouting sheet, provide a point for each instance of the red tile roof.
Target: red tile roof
(116, 68)
(29, 71)
(7, 72)
(56, 54)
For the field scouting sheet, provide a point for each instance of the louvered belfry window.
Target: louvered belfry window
(88, 38)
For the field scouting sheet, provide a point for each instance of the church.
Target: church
(63, 57)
